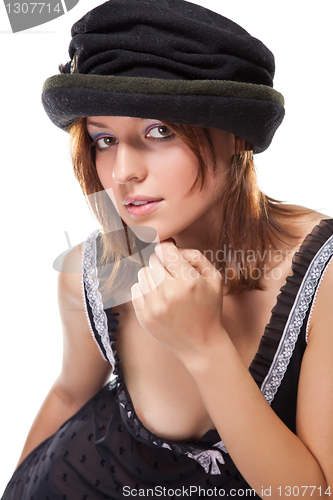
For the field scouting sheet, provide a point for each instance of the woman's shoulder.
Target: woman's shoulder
(71, 266)
(300, 222)
(321, 314)
(70, 278)
(305, 215)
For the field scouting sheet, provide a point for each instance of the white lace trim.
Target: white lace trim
(295, 320)
(88, 319)
(86, 310)
(314, 301)
(90, 280)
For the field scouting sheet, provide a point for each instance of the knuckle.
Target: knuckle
(169, 297)
(163, 309)
(198, 255)
(157, 313)
(191, 284)
(193, 254)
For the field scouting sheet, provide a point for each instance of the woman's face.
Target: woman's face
(151, 172)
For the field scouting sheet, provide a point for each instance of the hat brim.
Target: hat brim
(250, 111)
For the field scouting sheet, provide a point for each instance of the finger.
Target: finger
(157, 269)
(146, 281)
(138, 299)
(170, 257)
(201, 264)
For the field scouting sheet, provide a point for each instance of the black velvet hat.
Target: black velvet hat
(173, 61)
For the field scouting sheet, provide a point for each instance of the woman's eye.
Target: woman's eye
(105, 142)
(160, 132)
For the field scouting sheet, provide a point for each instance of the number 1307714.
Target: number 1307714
(32, 8)
(302, 491)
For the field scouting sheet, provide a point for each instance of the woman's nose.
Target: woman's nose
(129, 165)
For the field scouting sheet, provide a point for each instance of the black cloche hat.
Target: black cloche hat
(173, 61)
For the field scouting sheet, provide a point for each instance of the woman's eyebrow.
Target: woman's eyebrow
(104, 125)
(96, 124)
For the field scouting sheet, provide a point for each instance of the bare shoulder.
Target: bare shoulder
(84, 370)
(306, 215)
(321, 321)
(70, 279)
(303, 221)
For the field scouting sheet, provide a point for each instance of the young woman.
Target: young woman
(166, 105)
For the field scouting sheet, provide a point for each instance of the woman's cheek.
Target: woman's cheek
(103, 174)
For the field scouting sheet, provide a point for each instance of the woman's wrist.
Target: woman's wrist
(213, 351)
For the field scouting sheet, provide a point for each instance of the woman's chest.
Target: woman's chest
(163, 393)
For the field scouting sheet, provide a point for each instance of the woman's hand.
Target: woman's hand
(178, 300)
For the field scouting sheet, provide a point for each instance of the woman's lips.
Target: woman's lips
(143, 209)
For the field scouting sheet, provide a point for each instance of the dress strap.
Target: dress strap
(314, 301)
(93, 298)
(295, 321)
(289, 316)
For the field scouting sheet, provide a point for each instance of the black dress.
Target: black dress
(105, 452)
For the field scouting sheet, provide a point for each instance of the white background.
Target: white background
(40, 198)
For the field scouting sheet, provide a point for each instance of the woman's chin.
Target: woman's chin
(145, 233)
(151, 234)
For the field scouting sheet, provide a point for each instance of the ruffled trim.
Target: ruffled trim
(281, 333)
(207, 452)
